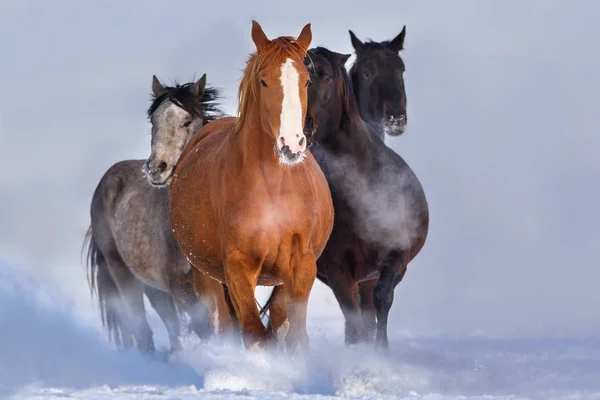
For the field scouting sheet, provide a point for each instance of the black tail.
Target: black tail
(109, 300)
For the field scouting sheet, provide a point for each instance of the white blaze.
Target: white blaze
(290, 128)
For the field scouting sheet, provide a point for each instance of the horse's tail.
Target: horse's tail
(109, 300)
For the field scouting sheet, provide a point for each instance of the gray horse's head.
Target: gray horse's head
(176, 114)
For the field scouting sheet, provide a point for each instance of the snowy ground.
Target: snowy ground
(48, 352)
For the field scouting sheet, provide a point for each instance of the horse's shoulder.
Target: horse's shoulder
(221, 125)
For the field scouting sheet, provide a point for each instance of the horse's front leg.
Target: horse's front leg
(393, 269)
(345, 289)
(241, 277)
(182, 288)
(212, 294)
(367, 308)
(297, 291)
(164, 305)
(279, 323)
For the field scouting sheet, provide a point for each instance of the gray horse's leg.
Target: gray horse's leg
(164, 305)
(132, 293)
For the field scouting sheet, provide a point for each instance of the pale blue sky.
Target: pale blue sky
(503, 133)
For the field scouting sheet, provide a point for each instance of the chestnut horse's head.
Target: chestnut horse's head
(276, 80)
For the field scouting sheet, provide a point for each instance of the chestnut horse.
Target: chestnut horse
(249, 204)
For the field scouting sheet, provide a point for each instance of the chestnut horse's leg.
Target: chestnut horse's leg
(278, 315)
(164, 305)
(297, 291)
(236, 331)
(367, 307)
(212, 294)
(393, 270)
(241, 276)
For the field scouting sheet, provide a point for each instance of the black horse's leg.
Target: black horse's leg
(345, 289)
(164, 305)
(367, 307)
(393, 269)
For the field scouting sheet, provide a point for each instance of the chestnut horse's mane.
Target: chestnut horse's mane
(272, 56)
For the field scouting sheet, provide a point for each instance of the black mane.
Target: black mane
(206, 107)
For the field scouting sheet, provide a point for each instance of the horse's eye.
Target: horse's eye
(188, 123)
(328, 78)
(308, 83)
(366, 74)
(263, 83)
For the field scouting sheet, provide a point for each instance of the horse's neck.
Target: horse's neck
(374, 130)
(253, 143)
(357, 135)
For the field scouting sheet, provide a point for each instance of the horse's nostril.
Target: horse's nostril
(162, 166)
(301, 142)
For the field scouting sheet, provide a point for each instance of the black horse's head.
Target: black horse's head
(330, 98)
(378, 80)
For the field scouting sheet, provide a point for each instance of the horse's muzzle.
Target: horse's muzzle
(156, 173)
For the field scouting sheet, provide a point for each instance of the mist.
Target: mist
(502, 134)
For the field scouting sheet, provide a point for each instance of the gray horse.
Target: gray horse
(131, 247)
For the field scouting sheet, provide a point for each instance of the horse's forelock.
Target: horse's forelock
(272, 56)
(205, 106)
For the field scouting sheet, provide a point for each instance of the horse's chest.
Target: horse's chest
(270, 222)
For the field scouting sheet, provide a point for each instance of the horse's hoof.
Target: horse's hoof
(382, 345)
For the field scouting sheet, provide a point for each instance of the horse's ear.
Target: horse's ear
(397, 44)
(157, 87)
(199, 86)
(356, 43)
(342, 58)
(305, 37)
(258, 36)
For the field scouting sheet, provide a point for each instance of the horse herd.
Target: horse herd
(299, 186)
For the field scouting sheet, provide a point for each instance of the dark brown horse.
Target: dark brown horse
(131, 247)
(377, 77)
(248, 203)
(381, 213)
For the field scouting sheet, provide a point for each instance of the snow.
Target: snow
(47, 352)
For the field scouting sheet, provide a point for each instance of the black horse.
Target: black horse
(381, 213)
(377, 77)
